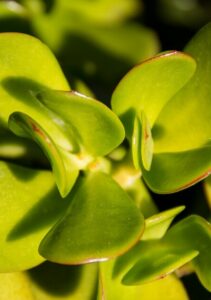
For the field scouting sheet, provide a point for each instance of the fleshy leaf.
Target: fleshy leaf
(97, 226)
(30, 205)
(150, 85)
(28, 67)
(156, 261)
(187, 241)
(157, 225)
(110, 287)
(182, 131)
(171, 172)
(64, 169)
(91, 120)
(194, 232)
(184, 123)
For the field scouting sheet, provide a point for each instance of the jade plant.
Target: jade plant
(77, 220)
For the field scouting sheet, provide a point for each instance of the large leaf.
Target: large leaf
(182, 131)
(91, 121)
(30, 205)
(185, 121)
(97, 226)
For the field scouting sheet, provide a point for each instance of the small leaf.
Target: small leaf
(142, 142)
(156, 261)
(169, 288)
(98, 225)
(91, 120)
(65, 171)
(157, 225)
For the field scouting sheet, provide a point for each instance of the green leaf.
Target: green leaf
(110, 287)
(28, 67)
(187, 241)
(30, 205)
(182, 131)
(157, 225)
(171, 172)
(142, 142)
(97, 226)
(156, 261)
(55, 282)
(150, 85)
(92, 121)
(194, 232)
(64, 168)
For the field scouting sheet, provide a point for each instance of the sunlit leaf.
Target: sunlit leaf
(111, 288)
(156, 261)
(64, 168)
(28, 67)
(92, 121)
(97, 226)
(157, 225)
(30, 205)
(150, 85)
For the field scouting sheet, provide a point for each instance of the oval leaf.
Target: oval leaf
(97, 226)
(150, 85)
(91, 120)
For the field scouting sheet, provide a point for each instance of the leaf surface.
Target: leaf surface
(97, 226)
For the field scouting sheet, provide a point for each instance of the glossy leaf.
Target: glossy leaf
(97, 226)
(56, 282)
(30, 205)
(158, 224)
(155, 261)
(22, 77)
(64, 168)
(142, 142)
(182, 131)
(111, 288)
(187, 241)
(178, 170)
(137, 91)
(92, 121)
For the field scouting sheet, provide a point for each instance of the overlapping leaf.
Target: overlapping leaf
(97, 226)
(178, 113)
(91, 121)
(187, 241)
(111, 288)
